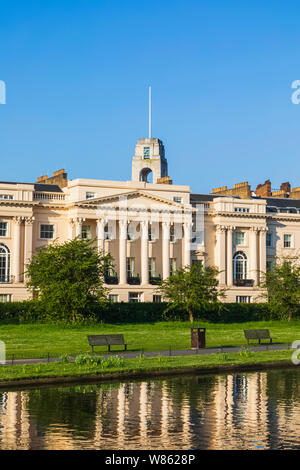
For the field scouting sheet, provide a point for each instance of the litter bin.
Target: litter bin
(198, 338)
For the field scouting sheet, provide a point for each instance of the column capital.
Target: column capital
(166, 224)
(263, 230)
(221, 228)
(17, 220)
(254, 228)
(102, 220)
(29, 220)
(230, 228)
(79, 220)
(188, 224)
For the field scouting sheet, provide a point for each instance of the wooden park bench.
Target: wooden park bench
(257, 334)
(106, 340)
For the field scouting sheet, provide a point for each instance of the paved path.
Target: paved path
(170, 352)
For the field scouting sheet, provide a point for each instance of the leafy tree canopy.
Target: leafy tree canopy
(282, 284)
(69, 278)
(192, 288)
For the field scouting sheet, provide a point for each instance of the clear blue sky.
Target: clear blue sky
(77, 75)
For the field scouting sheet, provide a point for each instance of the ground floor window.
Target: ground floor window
(113, 298)
(46, 232)
(86, 232)
(4, 264)
(5, 298)
(135, 297)
(152, 267)
(239, 266)
(130, 267)
(243, 299)
(157, 299)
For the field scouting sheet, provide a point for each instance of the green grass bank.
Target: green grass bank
(37, 340)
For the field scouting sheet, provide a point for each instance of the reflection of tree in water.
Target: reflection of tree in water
(199, 388)
(284, 385)
(74, 408)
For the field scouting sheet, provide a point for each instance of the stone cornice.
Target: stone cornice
(287, 217)
(243, 215)
(13, 203)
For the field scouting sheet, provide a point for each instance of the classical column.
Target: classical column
(144, 253)
(187, 243)
(122, 251)
(166, 249)
(262, 252)
(253, 255)
(78, 226)
(229, 256)
(17, 248)
(100, 234)
(220, 253)
(70, 228)
(28, 242)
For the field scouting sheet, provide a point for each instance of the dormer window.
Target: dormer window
(146, 153)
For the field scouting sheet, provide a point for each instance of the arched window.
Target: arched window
(239, 266)
(144, 174)
(4, 264)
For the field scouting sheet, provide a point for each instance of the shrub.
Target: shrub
(32, 311)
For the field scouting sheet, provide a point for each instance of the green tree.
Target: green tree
(69, 278)
(192, 288)
(282, 285)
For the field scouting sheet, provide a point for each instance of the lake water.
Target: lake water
(234, 411)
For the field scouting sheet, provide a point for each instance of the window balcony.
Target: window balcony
(111, 279)
(243, 282)
(154, 280)
(133, 280)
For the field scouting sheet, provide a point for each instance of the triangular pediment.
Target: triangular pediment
(131, 199)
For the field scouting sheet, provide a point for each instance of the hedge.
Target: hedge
(148, 312)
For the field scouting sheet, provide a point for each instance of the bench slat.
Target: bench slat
(97, 340)
(257, 334)
(106, 340)
(115, 339)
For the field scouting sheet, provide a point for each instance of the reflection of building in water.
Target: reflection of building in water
(187, 413)
(241, 404)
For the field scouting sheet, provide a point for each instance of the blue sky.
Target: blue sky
(77, 76)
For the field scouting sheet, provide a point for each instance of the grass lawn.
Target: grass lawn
(9, 373)
(37, 340)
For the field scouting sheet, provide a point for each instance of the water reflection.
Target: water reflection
(240, 411)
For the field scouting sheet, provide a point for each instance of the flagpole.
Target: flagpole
(149, 112)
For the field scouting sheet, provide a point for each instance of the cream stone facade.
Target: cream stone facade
(151, 229)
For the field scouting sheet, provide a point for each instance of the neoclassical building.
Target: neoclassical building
(150, 228)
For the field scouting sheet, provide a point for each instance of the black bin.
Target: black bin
(198, 338)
